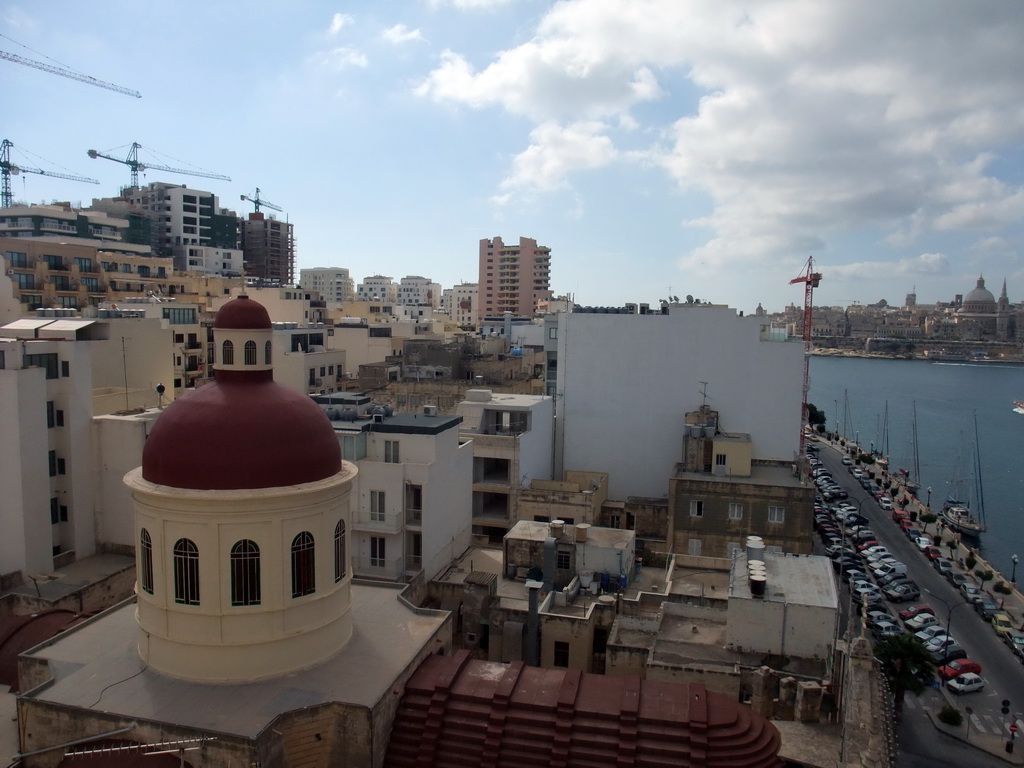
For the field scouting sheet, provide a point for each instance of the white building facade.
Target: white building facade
(333, 283)
(625, 381)
(377, 288)
(416, 291)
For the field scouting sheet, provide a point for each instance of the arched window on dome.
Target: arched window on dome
(146, 561)
(245, 573)
(303, 565)
(250, 353)
(339, 551)
(266, 353)
(186, 572)
(227, 354)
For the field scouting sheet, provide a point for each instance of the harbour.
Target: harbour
(873, 401)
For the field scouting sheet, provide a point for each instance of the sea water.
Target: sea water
(854, 394)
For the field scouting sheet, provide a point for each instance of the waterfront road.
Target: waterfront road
(1002, 670)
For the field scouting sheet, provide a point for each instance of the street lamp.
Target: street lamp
(1013, 578)
(929, 504)
(949, 617)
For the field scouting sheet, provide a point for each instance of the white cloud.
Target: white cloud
(400, 33)
(554, 151)
(813, 119)
(338, 22)
(468, 4)
(924, 265)
(340, 58)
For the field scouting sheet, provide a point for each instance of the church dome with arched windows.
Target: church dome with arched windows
(243, 430)
(241, 510)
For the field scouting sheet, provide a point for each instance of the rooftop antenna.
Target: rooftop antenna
(703, 394)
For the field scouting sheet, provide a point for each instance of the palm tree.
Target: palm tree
(906, 664)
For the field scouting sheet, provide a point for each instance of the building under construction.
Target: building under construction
(268, 247)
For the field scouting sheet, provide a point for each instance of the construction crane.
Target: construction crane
(8, 169)
(68, 73)
(257, 201)
(810, 279)
(133, 162)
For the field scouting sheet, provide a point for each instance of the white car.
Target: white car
(921, 621)
(885, 503)
(925, 635)
(923, 542)
(940, 642)
(968, 682)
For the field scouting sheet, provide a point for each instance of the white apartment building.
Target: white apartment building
(377, 288)
(412, 511)
(209, 260)
(416, 291)
(284, 304)
(512, 439)
(302, 360)
(45, 455)
(334, 284)
(56, 374)
(460, 303)
(624, 383)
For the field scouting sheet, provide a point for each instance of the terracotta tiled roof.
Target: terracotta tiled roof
(462, 712)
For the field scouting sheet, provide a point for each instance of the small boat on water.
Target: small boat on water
(957, 515)
(958, 518)
(1018, 406)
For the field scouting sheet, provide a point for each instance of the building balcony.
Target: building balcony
(378, 568)
(413, 516)
(388, 522)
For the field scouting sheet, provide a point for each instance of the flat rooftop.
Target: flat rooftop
(802, 579)
(759, 475)
(96, 666)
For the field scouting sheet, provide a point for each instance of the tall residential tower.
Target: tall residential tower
(513, 278)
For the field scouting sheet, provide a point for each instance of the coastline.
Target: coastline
(832, 352)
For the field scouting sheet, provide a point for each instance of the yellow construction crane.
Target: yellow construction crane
(8, 169)
(133, 162)
(257, 201)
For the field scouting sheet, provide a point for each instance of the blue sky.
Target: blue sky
(702, 147)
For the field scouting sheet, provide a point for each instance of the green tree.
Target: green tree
(815, 416)
(907, 666)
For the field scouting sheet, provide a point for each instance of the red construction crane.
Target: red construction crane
(810, 279)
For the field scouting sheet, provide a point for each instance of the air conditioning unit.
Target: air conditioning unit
(430, 410)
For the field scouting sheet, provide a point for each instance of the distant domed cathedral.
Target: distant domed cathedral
(982, 317)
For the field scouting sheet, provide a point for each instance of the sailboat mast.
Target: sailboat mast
(979, 492)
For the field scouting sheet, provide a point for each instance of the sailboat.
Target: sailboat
(956, 514)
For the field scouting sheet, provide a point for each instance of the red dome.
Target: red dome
(241, 431)
(242, 313)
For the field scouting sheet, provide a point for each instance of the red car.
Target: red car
(866, 545)
(914, 610)
(899, 514)
(932, 552)
(958, 667)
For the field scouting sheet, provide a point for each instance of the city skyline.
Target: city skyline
(658, 148)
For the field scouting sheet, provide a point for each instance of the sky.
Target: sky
(658, 147)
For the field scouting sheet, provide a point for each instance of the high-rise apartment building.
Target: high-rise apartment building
(460, 303)
(377, 288)
(268, 246)
(513, 278)
(332, 283)
(416, 291)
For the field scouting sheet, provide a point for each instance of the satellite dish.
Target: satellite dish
(689, 299)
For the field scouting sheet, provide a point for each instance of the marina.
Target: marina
(923, 415)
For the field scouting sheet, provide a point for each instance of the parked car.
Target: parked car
(891, 579)
(940, 642)
(956, 578)
(923, 542)
(928, 633)
(921, 621)
(1015, 640)
(943, 565)
(987, 607)
(968, 682)
(902, 591)
(886, 629)
(885, 503)
(958, 667)
(915, 610)
(932, 552)
(970, 592)
(847, 460)
(1002, 623)
(876, 615)
(948, 654)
